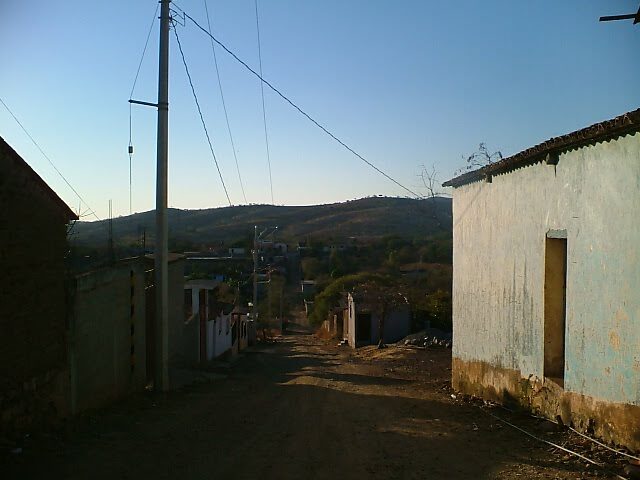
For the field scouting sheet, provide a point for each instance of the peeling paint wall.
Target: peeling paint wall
(498, 275)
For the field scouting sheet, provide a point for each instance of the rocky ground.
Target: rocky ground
(307, 408)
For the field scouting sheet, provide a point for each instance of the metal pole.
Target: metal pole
(161, 250)
(255, 276)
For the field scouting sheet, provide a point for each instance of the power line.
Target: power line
(204, 126)
(290, 102)
(133, 87)
(144, 50)
(224, 106)
(92, 212)
(264, 112)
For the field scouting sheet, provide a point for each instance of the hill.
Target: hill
(371, 217)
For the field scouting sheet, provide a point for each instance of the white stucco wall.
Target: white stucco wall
(498, 272)
(222, 336)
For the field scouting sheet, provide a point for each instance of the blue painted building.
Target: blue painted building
(546, 279)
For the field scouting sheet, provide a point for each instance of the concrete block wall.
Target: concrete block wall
(107, 336)
(32, 300)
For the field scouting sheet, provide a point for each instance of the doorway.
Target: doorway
(555, 307)
(363, 328)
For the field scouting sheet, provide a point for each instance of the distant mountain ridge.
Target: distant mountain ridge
(364, 218)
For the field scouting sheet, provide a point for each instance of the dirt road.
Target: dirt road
(300, 408)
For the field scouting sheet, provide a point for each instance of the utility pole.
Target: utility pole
(254, 308)
(161, 380)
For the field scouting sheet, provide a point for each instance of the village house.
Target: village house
(546, 280)
(366, 326)
(337, 322)
(33, 307)
(213, 317)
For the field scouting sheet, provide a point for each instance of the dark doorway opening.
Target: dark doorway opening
(202, 312)
(363, 327)
(555, 306)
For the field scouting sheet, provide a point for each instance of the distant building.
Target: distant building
(546, 282)
(365, 325)
(308, 287)
(33, 303)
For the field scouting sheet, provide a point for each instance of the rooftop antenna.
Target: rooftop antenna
(630, 16)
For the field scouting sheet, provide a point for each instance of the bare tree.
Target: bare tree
(431, 184)
(480, 158)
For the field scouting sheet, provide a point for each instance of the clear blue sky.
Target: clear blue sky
(405, 83)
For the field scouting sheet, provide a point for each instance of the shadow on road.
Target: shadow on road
(291, 410)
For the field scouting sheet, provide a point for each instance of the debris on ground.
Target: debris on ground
(430, 337)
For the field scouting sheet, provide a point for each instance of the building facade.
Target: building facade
(546, 280)
(33, 301)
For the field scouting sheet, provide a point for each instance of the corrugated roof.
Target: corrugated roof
(599, 132)
(18, 162)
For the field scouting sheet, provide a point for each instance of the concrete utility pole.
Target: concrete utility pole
(161, 380)
(254, 308)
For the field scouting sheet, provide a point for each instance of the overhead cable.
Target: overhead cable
(224, 105)
(290, 102)
(91, 211)
(264, 111)
(133, 87)
(204, 125)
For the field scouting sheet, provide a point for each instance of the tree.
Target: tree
(382, 297)
(480, 158)
(429, 177)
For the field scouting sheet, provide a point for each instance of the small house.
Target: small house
(369, 321)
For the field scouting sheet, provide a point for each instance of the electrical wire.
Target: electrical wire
(300, 110)
(92, 212)
(224, 105)
(144, 50)
(604, 445)
(264, 111)
(204, 125)
(133, 87)
(555, 445)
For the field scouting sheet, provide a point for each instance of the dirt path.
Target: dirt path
(297, 409)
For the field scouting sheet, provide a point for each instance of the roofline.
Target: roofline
(625, 124)
(64, 208)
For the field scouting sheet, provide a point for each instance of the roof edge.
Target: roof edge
(598, 132)
(15, 156)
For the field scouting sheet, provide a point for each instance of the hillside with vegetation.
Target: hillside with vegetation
(403, 245)
(370, 218)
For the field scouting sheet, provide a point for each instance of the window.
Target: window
(555, 305)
